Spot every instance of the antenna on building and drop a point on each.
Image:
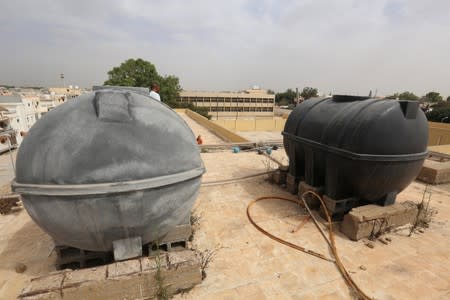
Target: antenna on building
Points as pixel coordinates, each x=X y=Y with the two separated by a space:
x=62 y=78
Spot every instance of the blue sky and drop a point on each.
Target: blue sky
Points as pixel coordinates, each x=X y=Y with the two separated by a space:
x=342 y=46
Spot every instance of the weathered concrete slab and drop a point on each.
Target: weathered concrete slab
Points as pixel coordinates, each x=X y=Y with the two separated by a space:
x=50 y=284
x=435 y=172
x=77 y=277
x=365 y=220
x=132 y=279
x=124 y=268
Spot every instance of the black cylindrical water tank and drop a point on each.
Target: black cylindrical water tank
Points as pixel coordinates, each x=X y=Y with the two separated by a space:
x=351 y=146
x=106 y=166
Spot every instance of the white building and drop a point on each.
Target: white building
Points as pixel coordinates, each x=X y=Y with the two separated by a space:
x=21 y=113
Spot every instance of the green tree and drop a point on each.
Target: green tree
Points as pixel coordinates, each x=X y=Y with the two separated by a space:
x=141 y=73
x=308 y=92
x=403 y=96
x=408 y=96
x=439 y=114
x=170 y=89
x=393 y=96
x=286 y=97
x=432 y=97
x=448 y=99
x=133 y=72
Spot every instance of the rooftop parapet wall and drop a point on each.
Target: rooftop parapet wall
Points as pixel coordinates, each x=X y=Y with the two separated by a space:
x=438 y=133
x=263 y=124
x=218 y=130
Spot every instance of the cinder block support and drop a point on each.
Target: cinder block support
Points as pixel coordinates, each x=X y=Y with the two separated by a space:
x=291 y=184
x=279 y=177
x=312 y=201
x=362 y=221
x=131 y=279
x=435 y=172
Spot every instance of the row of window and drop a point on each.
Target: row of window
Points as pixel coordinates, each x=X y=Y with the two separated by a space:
x=241 y=109
x=235 y=100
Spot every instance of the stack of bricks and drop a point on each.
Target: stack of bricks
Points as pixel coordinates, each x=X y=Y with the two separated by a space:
x=131 y=279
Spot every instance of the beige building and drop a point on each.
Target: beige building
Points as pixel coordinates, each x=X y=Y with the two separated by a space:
x=251 y=103
x=62 y=93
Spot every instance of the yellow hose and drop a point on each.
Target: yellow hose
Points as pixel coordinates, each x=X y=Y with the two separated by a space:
x=331 y=242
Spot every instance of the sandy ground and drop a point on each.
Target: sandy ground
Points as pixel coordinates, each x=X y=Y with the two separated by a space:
x=21 y=241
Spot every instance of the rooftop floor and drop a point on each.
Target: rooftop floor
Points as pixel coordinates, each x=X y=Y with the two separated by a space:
x=258 y=136
x=249 y=265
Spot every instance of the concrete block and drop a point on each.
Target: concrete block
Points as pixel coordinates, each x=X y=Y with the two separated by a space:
x=182 y=258
x=56 y=295
x=43 y=285
x=362 y=221
x=127 y=248
x=338 y=208
x=123 y=268
x=132 y=279
x=178 y=233
x=125 y=287
x=435 y=172
x=149 y=264
x=77 y=277
x=279 y=177
x=291 y=184
x=312 y=201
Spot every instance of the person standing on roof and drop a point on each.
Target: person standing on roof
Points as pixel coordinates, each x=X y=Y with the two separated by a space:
x=154 y=91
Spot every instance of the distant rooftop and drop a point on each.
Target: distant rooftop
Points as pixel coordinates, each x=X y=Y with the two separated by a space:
x=10 y=99
x=251 y=93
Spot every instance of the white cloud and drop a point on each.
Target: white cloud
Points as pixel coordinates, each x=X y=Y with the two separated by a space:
x=342 y=46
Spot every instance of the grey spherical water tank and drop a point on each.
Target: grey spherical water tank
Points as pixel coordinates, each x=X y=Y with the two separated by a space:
x=106 y=166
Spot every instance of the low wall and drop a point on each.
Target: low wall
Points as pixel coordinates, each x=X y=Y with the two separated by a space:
x=438 y=133
x=275 y=124
x=217 y=129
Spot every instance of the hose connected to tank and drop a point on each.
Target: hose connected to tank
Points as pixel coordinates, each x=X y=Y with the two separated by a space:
x=348 y=279
x=331 y=241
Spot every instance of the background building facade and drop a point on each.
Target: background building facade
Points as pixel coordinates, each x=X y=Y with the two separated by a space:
x=251 y=103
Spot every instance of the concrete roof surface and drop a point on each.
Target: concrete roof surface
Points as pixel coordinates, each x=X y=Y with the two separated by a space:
x=10 y=99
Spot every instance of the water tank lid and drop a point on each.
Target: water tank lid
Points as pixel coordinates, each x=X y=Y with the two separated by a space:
x=346 y=98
